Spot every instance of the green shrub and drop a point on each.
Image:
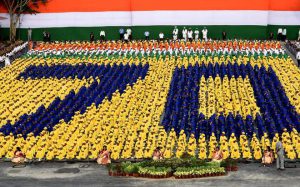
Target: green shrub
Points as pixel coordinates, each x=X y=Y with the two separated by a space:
x=124 y=165
x=154 y=171
x=212 y=164
x=175 y=163
x=182 y=171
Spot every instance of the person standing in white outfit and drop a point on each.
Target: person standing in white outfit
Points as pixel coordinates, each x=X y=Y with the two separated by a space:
x=279 y=34
x=126 y=37
x=284 y=32
x=184 y=33
x=102 y=35
x=161 y=36
x=196 y=32
x=129 y=32
x=190 y=34
x=204 y=33
x=175 y=33
x=29 y=34
x=299 y=35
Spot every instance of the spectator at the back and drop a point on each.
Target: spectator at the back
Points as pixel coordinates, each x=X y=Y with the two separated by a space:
x=92 y=37
x=161 y=36
x=279 y=34
x=224 y=35
x=44 y=36
x=129 y=32
x=147 y=34
x=48 y=37
x=271 y=37
x=102 y=35
x=29 y=34
x=284 y=33
x=121 y=32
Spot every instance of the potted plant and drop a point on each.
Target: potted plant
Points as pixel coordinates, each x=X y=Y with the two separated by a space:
x=227 y=164
x=143 y=171
x=110 y=169
x=127 y=170
x=222 y=171
x=135 y=171
x=118 y=170
x=234 y=166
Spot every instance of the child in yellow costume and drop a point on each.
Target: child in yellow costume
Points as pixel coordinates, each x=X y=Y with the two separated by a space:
x=257 y=152
x=181 y=144
x=192 y=145
x=235 y=153
x=224 y=149
x=30 y=152
x=61 y=152
x=20 y=142
x=265 y=142
x=243 y=138
x=232 y=139
x=2 y=151
x=213 y=139
x=1 y=137
x=285 y=134
x=148 y=152
x=10 y=149
x=223 y=138
x=212 y=145
x=94 y=152
x=246 y=151
x=274 y=141
x=254 y=141
x=179 y=152
x=202 y=139
x=290 y=152
x=50 y=154
x=202 y=153
x=140 y=151
x=168 y=153
x=294 y=136
x=298 y=148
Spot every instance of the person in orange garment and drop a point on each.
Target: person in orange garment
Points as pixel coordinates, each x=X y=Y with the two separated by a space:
x=19 y=157
x=157 y=154
x=268 y=157
x=104 y=157
x=217 y=155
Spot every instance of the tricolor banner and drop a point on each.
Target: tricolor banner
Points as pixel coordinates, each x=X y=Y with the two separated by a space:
x=104 y=13
x=89 y=13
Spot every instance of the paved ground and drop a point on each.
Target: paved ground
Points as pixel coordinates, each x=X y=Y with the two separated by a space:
x=53 y=174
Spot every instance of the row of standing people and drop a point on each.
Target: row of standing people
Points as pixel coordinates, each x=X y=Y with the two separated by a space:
x=186 y=34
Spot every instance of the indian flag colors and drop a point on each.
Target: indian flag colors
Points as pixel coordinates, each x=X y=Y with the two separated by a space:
x=85 y=14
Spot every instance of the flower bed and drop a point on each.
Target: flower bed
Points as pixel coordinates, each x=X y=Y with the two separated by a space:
x=155 y=172
x=179 y=168
x=197 y=172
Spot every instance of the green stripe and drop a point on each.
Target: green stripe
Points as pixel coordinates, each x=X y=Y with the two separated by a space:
x=82 y=33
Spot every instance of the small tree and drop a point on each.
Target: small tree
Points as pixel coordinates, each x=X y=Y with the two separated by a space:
x=16 y=8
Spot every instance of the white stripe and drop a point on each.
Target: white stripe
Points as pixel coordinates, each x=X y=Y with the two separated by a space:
x=144 y=18
x=284 y=18
x=207 y=17
x=73 y=19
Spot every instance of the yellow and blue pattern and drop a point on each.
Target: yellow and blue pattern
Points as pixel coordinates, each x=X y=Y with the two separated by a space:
x=69 y=108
